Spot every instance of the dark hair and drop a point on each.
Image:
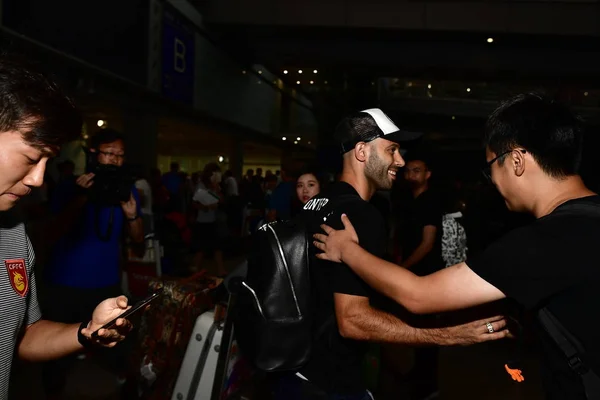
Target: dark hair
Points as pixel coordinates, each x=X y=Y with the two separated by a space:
x=547 y=129
x=313 y=171
x=106 y=136
x=416 y=155
x=208 y=171
x=31 y=101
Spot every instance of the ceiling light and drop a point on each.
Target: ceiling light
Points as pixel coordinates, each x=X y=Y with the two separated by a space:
x=295 y=142
x=284 y=138
x=311 y=82
x=297 y=82
x=298 y=138
x=309 y=142
x=326 y=82
x=315 y=71
x=429 y=86
x=490 y=40
x=260 y=72
x=453 y=117
x=221 y=158
x=285 y=71
x=244 y=71
x=101 y=123
x=468 y=89
x=85 y=136
x=299 y=71
x=585 y=93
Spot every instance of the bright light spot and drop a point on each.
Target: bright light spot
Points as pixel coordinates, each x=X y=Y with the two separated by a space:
x=299 y=71
x=284 y=138
x=297 y=82
x=101 y=123
x=429 y=86
x=453 y=117
x=260 y=72
x=490 y=40
x=221 y=158
x=326 y=82
x=285 y=71
x=85 y=136
x=585 y=93
x=244 y=71
x=295 y=142
x=315 y=71
x=309 y=142
x=298 y=138
x=312 y=82
x=468 y=89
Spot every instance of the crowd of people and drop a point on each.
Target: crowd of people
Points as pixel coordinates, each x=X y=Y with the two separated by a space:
x=384 y=258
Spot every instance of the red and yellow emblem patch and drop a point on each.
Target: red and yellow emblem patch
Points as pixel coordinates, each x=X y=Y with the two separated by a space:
x=17 y=274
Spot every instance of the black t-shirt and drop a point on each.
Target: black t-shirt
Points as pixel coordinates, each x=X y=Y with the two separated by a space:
x=553 y=262
x=420 y=212
x=336 y=362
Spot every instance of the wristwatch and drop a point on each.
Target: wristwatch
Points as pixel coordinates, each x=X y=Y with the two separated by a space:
x=134 y=218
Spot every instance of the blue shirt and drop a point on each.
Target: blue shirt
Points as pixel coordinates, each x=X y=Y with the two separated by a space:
x=172 y=181
x=81 y=258
x=281 y=200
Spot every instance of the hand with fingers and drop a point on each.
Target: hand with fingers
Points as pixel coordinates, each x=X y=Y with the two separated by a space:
x=129 y=207
x=333 y=241
x=105 y=312
x=479 y=331
x=85 y=181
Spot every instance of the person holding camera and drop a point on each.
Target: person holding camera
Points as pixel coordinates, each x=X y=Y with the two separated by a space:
x=92 y=213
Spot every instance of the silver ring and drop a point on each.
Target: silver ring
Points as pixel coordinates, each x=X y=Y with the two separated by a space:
x=489 y=327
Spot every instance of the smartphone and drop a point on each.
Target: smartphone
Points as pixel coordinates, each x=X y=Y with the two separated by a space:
x=139 y=306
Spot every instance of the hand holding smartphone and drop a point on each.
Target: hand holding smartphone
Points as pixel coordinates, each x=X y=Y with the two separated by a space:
x=139 y=306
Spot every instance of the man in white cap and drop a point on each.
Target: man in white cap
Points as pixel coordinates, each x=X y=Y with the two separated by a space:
x=345 y=317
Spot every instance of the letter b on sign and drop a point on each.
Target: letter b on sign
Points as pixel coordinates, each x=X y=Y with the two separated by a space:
x=179 y=56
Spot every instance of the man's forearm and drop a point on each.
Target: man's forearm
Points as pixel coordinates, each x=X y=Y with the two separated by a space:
x=136 y=230
x=47 y=340
x=374 y=325
x=419 y=254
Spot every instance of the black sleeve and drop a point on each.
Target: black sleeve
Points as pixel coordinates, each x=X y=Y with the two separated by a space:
x=514 y=265
x=370 y=228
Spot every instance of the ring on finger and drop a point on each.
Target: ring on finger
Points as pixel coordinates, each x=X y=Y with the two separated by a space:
x=489 y=327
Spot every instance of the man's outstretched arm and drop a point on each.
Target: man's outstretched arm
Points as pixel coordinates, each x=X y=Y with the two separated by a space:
x=452 y=288
x=359 y=321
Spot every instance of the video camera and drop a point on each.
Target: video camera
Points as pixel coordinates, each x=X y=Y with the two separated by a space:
x=112 y=184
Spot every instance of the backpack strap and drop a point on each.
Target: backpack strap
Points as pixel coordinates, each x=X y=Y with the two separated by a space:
x=560 y=336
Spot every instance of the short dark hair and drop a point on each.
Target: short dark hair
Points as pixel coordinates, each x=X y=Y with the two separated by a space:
x=546 y=128
x=31 y=101
x=314 y=171
x=106 y=136
x=419 y=155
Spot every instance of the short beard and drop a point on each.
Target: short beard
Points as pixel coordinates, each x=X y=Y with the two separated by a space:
x=376 y=171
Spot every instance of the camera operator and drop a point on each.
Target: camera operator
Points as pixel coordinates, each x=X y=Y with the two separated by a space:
x=91 y=213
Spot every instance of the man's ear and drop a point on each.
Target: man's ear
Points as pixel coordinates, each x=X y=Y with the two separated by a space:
x=518 y=159
x=92 y=150
x=360 y=151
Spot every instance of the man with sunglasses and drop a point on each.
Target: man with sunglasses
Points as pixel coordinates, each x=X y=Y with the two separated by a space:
x=533 y=148
x=85 y=261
